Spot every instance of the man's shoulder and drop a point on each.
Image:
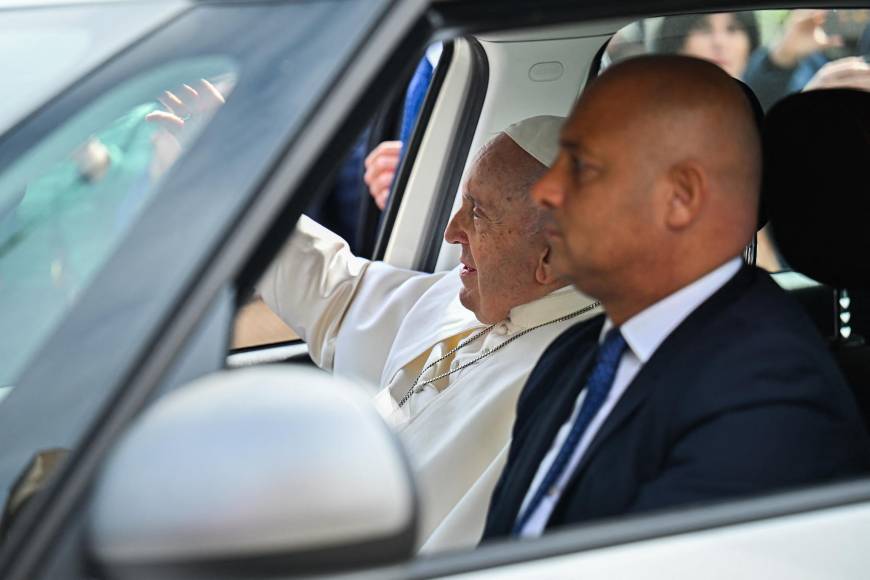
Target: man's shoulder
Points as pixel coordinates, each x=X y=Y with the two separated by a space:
x=759 y=345
x=766 y=317
x=564 y=347
x=747 y=312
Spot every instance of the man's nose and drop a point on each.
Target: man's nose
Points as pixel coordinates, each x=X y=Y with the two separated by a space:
x=455 y=232
x=548 y=191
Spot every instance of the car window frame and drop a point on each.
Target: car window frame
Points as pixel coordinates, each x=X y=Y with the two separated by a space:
x=410 y=152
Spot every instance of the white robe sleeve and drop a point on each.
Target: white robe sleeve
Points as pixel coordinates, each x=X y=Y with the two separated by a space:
x=347 y=309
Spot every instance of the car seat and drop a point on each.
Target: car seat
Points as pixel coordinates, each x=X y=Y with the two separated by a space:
x=816 y=151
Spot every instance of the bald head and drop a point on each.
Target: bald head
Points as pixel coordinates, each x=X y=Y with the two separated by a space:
x=657 y=182
x=677 y=108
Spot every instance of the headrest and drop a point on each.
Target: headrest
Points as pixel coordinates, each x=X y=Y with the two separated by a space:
x=816 y=154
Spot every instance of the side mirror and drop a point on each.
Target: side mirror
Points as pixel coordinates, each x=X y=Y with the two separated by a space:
x=254 y=472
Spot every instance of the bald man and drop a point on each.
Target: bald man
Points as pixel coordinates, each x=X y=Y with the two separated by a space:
x=703 y=380
x=447 y=352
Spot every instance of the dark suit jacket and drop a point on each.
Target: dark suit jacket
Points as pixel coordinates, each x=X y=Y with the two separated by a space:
x=742 y=397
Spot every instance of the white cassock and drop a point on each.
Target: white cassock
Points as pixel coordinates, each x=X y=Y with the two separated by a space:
x=373 y=322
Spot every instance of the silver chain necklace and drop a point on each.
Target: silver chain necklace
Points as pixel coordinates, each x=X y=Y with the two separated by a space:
x=418 y=388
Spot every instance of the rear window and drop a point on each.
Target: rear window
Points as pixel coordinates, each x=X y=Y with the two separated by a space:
x=776 y=52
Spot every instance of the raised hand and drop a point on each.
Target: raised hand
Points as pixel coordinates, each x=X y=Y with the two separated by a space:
x=851 y=72
x=186 y=110
x=804 y=34
x=381 y=165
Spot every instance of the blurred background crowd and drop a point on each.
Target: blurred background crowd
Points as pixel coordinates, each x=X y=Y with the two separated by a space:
x=776 y=52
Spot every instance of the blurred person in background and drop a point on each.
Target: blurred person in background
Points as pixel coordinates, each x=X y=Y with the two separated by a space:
x=383 y=161
x=726 y=39
x=817 y=49
x=369 y=173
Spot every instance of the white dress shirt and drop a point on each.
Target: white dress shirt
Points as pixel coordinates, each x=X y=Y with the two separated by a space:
x=643 y=334
x=379 y=324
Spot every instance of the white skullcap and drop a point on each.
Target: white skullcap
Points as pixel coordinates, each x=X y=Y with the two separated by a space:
x=538 y=136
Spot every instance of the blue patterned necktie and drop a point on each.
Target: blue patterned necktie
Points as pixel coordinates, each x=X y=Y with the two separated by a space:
x=597 y=388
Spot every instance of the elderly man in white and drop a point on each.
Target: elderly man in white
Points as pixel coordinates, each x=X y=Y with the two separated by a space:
x=449 y=351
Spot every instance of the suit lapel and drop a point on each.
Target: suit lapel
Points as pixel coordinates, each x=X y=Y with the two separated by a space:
x=555 y=394
x=557 y=410
x=650 y=374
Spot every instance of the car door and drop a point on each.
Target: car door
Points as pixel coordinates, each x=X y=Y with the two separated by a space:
x=813 y=532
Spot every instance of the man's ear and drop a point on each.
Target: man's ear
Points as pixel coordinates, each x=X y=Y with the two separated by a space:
x=544 y=274
x=686 y=195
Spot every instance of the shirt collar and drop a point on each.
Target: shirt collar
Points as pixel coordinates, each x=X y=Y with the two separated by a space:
x=645 y=331
x=555 y=304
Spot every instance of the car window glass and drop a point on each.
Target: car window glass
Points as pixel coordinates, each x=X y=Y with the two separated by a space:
x=776 y=52
x=65 y=204
x=365 y=177
x=107 y=216
x=41 y=51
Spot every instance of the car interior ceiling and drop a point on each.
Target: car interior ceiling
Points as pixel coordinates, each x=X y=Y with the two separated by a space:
x=817 y=216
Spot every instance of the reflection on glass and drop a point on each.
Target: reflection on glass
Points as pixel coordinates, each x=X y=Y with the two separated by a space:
x=66 y=203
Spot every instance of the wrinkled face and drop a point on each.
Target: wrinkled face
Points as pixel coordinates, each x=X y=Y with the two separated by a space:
x=598 y=194
x=496 y=227
x=720 y=39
